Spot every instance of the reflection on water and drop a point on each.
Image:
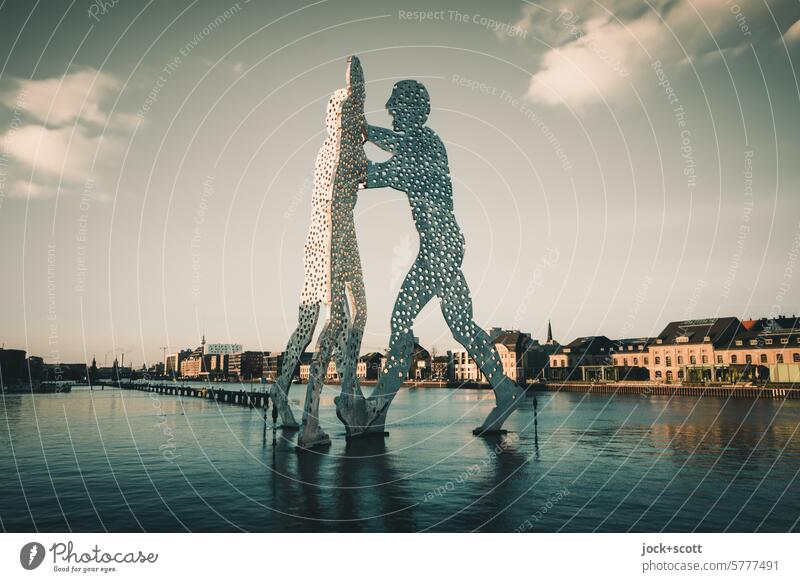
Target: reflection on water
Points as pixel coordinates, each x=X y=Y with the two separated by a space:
x=128 y=461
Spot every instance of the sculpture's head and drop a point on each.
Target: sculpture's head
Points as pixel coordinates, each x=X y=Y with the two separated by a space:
x=409 y=105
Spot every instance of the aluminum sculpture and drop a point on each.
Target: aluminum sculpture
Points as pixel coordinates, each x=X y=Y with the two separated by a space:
x=333 y=276
x=333 y=280
x=419 y=168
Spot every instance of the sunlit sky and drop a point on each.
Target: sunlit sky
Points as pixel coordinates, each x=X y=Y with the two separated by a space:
x=616 y=164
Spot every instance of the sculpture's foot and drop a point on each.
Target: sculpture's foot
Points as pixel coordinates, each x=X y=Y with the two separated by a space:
x=280 y=402
x=509 y=398
x=361 y=416
x=312 y=438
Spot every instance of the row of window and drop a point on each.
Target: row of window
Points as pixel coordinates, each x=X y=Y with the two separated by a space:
x=748 y=359
x=645 y=361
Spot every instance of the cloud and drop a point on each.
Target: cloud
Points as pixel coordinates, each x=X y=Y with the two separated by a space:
x=60 y=101
x=596 y=65
x=793 y=33
x=60 y=139
x=63 y=153
x=598 y=52
x=23 y=189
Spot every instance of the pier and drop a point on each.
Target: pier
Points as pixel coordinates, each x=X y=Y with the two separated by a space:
x=250 y=398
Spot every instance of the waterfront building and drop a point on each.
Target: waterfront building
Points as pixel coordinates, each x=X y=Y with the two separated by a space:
x=691 y=344
x=274 y=362
x=207 y=364
x=583 y=359
x=420 y=364
x=12 y=366
x=420 y=368
x=464 y=368
x=443 y=368
x=172 y=363
x=369 y=366
x=246 y=365
x=523 y=358
x=762 y=350
x=631 y=358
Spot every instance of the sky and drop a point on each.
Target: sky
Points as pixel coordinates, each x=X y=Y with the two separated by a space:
x=616 y=165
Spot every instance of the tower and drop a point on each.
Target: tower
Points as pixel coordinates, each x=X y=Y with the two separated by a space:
x=549 y=341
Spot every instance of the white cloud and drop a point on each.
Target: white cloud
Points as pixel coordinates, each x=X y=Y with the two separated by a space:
x=60 y=145
x=597 y=64
x=60 y=152
x=603 y=52
x=793 y=33
x=60 y=101
x=23 y=189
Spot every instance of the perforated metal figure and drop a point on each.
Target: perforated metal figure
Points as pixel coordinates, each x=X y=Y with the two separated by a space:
x=333 y=276
x=419 y=168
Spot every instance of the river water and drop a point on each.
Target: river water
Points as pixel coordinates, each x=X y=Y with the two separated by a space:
x=130 y=461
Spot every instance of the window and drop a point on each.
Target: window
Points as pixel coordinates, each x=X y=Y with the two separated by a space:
x=668 y=361
x=768 y=342
x=705 y=359
x=734 y=359
x=719 y=359
x=635 y=361
x=624 y=361
x=658 y=361
x=763 y=358
x=748 y=359
x=680 y=374
x=784 y=340
x=738 y=342
x=658 y=375
x=796 y=358
x=753 y=342
x=645 y=361
x=669 y=376
x=707 y=338
x=779 y=358
x=692 y=360
x=680 y=360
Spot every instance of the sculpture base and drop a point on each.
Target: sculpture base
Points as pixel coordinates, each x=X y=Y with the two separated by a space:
x=320 y=441
x=362 y=416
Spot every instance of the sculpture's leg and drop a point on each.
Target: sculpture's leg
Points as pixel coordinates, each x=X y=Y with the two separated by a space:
x=457 y=310
x=362 y=416
x=307 y=321
x=357 y=302
x=311 y=435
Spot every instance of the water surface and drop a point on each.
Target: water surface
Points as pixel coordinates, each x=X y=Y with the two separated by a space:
x=130 y=461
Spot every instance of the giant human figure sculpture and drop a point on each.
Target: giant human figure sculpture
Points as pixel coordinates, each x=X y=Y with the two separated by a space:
x=333 y=278
x=419 y=168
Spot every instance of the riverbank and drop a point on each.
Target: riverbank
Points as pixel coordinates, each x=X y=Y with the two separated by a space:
x=774 y=391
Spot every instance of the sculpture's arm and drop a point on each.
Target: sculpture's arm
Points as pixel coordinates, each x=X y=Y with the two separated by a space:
x=384 y=138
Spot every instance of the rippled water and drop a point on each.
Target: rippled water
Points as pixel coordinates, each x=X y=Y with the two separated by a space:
x=130 y=461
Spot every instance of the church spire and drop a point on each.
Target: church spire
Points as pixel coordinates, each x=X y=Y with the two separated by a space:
x=549 y=333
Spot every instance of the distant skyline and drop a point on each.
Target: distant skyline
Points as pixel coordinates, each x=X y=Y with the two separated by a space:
x=615 y=165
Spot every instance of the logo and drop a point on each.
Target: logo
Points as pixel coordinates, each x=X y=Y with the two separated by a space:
x=31 y=555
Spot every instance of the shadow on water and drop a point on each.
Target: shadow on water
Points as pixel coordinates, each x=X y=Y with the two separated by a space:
x=355 y=489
